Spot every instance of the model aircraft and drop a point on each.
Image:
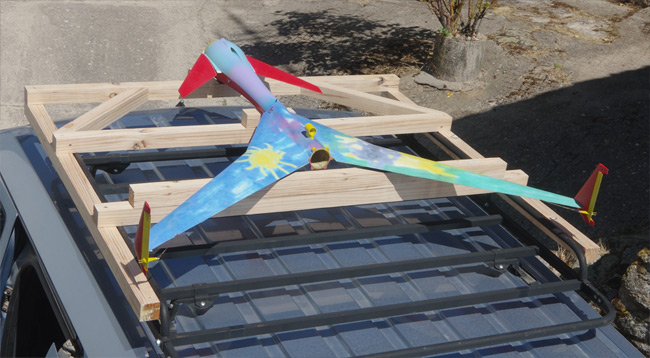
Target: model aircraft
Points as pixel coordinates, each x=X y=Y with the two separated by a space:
x=285 y=142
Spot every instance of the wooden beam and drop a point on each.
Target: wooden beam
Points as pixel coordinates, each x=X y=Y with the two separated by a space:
x=389 y=189
x=395 y=94
x=365 y=101
x=301 y=191
x=250 y=118
x=173 y=193
x=219 y=134
x=590 y=248
x=137 y=290
x=364 y=83
x=40 y=120
x=168 y=90
x=109 y=111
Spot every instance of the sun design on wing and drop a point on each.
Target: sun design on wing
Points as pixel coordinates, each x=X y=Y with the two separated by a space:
x=267 y=160
x=413 y=162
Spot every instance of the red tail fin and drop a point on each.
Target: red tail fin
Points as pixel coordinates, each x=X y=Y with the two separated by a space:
x=266 y=70
x=141 y=242
x=587 y=195
x=201 y=72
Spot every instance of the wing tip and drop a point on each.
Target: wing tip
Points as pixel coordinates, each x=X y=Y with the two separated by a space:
x=588 y=194
x=141 y=241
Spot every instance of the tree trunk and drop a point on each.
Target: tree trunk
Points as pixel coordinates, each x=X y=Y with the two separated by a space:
x=456 y=59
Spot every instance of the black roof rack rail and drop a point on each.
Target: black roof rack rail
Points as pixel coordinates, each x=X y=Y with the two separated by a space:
x=197 y=296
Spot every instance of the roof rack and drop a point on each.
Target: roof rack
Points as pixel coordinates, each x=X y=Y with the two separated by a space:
x=394 y=114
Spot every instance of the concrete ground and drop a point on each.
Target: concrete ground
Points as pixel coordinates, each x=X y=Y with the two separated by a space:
x=567 y=83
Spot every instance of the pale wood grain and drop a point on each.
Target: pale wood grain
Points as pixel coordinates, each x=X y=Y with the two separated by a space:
x=235 y=133
x=304 y=190
x=109 y=111
x=138 y=292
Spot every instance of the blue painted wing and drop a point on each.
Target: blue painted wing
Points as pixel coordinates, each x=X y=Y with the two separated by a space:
x=277 y=149
x=351 y=150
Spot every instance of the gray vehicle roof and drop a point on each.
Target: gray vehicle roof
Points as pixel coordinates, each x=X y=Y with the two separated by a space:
x=258 y=306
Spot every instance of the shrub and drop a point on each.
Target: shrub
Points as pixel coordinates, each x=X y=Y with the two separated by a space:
x=450 y=14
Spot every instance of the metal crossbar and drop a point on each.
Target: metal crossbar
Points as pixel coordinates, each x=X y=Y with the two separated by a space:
x=210 y=291
x=329 y=237
x=362 y=314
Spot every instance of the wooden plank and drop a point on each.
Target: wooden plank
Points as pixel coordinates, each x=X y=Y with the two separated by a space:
x=168 y=90
x=590 y=248
x=109 y=111
x=365 y=101
x=364 y=83
x=173 y=193
x=395 y=94
x=301 y=191
x=219 y=134
x=101 y=92
x=118 y=256
x=457 y=142
x=250 y=118
x=41 y=122
x=122 y=213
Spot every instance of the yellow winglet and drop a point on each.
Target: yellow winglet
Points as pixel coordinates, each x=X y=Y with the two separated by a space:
x=587 y=195
x=141 y=242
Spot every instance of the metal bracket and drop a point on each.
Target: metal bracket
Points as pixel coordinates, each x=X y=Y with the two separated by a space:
x=202 y=300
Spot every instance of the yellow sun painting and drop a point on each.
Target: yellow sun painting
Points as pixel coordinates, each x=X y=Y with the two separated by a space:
x=411 y=161
x=266 y=160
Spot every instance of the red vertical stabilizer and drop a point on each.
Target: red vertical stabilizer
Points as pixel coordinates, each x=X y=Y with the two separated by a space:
x=201 y=72
x=587 y=195
x=266 y=70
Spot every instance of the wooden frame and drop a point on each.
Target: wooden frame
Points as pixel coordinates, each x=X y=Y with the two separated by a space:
x=378 y=94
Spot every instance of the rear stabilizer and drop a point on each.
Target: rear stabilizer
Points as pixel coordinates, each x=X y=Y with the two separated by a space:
x=266 y=70
x=589 y=192
x=141 y=242
x=201 y=72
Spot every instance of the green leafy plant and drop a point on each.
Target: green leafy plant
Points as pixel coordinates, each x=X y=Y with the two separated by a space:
x=456 y=21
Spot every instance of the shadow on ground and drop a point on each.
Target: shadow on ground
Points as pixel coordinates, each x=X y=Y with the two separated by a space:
x=324 y=43
x=558 y=137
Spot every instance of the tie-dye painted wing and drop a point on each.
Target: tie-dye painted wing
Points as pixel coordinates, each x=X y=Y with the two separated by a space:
x=351 y=150
x=277 y=149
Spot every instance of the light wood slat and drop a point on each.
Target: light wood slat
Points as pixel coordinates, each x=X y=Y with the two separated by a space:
x=122 y=213
x=118 y=256
x=304 y=190
x=365 y=101
x=394 y=93
x=590 y=248
x=43 y=125
x=456 y=141
x=109 y=111
x=173 y=193
x=250 y=118
x=168 y=90
x=364 y=83
x=219 y=134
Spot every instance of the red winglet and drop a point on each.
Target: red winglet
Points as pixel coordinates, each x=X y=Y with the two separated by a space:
x=587 y=195
x=141 y=242
x=266 y=70
x=201 y=72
